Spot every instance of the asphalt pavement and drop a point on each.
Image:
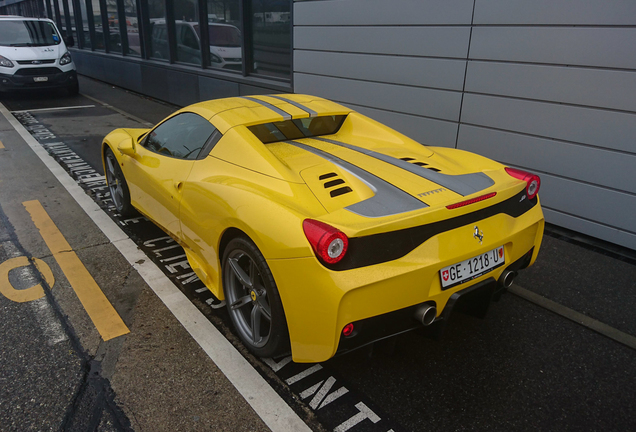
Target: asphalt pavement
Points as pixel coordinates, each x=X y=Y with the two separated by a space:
x=524 y=367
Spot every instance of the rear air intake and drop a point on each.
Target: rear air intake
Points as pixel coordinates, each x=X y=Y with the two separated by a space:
x=419 y=163
x=326 y=176
x=340 y=191
x=335 y=181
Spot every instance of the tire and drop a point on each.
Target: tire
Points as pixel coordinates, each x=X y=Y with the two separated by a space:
x=117 y=185
x=73 y=89
x=252 y=299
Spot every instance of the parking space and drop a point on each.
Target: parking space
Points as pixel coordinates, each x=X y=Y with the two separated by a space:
x=523 y=367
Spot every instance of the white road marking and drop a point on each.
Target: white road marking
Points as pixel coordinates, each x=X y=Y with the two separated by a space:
x=10 y=249
x=48 y=322
x=53 y=109
x=277 y=366
x=124 y=113
x=269 y=406
x=577 y=317
x=365 y=413
x=304 y=374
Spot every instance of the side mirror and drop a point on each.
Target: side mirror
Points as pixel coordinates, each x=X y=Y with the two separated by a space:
x=126 y=147
x=69 y=41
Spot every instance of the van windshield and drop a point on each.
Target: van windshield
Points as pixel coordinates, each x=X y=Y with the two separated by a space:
x=28 y=33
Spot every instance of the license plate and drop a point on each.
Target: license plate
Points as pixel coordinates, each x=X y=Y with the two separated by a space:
x=40 y=79
x=472 y=268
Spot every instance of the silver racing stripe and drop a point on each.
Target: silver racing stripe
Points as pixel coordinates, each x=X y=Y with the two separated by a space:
x=285 y=114
x=388 y=199
x=462 y=184
x=311 y=112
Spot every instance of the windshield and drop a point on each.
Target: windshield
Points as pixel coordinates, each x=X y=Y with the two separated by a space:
x=28 y=33
x=222 y=35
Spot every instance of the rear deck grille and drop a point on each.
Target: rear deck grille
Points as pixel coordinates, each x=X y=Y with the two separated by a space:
x=340 y=191
x=418 y=163
x=333 y=183
x=326 y=176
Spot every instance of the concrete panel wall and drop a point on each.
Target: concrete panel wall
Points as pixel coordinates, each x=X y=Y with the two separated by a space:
x=546 y=85
x=401 y=62
x=551 y=87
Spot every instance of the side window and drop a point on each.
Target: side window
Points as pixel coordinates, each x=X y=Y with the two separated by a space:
x=183 y=136
x=189 y=39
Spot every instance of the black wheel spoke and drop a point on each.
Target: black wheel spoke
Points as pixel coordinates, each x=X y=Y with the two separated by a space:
x=255 y=317
x=264 y=307
x=253 y=274
x=241 y=302
x=243 y=277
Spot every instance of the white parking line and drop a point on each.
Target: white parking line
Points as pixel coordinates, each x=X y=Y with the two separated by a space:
x=124 y=113
x=269 y=406
x=577 y=317
x=54 y=109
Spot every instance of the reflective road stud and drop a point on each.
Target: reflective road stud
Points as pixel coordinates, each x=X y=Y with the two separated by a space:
x=24 y=295
x=108 y=322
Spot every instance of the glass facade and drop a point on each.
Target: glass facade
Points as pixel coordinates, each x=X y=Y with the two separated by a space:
x=271 y=37
x=158 y=43
x=225 y=34
x=247 y=37
x=98 y=43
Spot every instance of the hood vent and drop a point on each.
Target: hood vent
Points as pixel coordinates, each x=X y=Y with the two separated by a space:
x=335 y=181
x=418 y=163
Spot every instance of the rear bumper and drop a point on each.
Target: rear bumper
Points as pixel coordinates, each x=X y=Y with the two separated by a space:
x=474 y=300
x=319 y=302
x=27 y=82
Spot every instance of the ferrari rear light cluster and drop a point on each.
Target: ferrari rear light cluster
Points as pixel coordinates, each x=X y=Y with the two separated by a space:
x=533 y=182
x=471 y=201
x=329 y=244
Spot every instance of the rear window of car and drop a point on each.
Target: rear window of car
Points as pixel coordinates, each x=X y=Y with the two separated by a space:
x=297 y=128
x=26 y=33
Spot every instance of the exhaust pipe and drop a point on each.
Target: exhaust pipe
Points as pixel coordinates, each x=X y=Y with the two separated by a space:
x=507 y=278
x=426 y=314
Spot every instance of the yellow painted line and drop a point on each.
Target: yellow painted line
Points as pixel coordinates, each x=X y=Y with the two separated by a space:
x=28 y=294
x=1 y=145
x=108 y=322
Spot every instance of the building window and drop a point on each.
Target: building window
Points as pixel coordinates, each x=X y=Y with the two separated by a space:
x=85 y=33
x=132 y=28
x=186 y=14
x=158 y=31
x=98 y=43
x=224 y=28
x=252 y=37
x=271 y=38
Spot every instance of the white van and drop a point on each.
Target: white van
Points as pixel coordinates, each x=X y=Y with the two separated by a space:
x=33 y=55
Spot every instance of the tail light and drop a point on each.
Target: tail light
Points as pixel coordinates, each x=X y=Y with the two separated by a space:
x=329 y=244
x=533 y=182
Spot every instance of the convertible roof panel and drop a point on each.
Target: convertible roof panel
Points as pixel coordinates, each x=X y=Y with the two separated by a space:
x=250 y=110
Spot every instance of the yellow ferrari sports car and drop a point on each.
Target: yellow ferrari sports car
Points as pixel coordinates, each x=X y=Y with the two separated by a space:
x=324 y=230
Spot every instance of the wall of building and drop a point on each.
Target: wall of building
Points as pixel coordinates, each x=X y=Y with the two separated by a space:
x=174 y=83
x=544 y=85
